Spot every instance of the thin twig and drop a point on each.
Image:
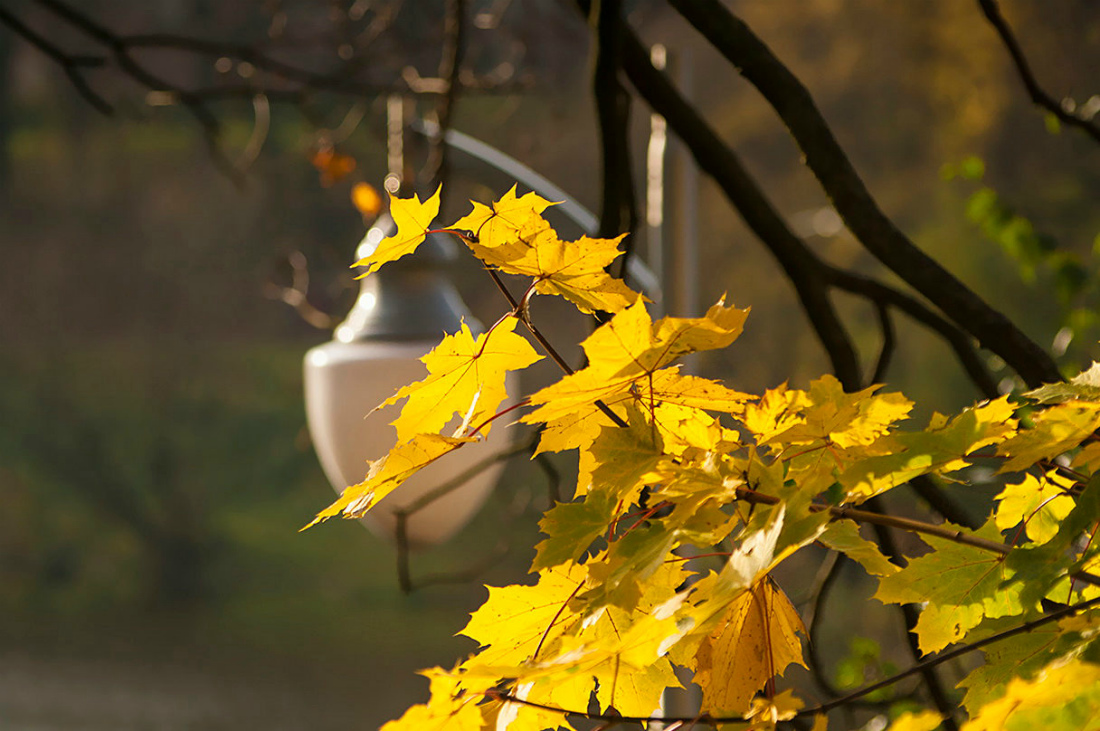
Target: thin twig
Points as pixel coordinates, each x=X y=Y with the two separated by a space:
x=992 y=12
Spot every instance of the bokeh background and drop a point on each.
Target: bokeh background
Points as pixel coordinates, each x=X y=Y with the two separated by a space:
x=154 y=462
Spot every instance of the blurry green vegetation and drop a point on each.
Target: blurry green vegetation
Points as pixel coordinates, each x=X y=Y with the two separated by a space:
x=142 y=479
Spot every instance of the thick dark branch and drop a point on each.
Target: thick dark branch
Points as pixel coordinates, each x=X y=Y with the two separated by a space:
x=960 y=342
x=992 y=13
x=617 y=212
x=877 y=233
x=718 y=161
x=889 y=343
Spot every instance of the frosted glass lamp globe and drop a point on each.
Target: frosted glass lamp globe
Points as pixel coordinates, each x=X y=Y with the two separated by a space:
x=402 y=312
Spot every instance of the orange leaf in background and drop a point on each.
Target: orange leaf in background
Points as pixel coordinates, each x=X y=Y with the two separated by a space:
x=366 y=199
x=413 y=217
x=334 y=166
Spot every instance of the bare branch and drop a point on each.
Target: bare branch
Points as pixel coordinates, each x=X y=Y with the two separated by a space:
x=718 y=161
x=1042 y=99
x=878 y=234
x=450 y=67
x=73 y=66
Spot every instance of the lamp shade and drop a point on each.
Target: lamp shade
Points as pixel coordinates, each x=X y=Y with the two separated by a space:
x=401 y=313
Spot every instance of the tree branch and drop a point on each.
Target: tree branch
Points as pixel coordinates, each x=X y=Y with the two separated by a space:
x=992 y=12
x=617 y=212
x=825 y=158
x=450 y=66
x=718 y=161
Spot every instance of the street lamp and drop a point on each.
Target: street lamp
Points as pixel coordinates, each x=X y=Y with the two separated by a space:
x=401 y=313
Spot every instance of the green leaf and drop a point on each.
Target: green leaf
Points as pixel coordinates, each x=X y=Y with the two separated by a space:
x=843 y=536
x=961 y=585
x=1083 y=387
x=571 y=528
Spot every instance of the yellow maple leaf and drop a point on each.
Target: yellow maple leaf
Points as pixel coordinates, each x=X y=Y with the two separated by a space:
x=756 y=641
x=518 y=623
x=387 y=474
x=499 y=224
x=1056 y=430
x=465 y=377
x=626 y=353
x=413 y=218
x=1063 y=695
x=453 y=706
x=574 y=270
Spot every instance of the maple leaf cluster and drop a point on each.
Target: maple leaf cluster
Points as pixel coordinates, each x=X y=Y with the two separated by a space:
x=675 y=465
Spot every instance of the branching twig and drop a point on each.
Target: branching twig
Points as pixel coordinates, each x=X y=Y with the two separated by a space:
x=1067 y=116
x=450 y=66
x=877 y=233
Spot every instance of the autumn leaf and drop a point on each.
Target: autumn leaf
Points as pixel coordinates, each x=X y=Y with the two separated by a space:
x=961 y=584
x=517 y=623
x=413 y=218
x=1063 y=696
x=499 y=224
x=1040 y=504
x=387 y=474
x=1084 y=386
x=333 y=166
x=466 y=376
x=454 y=706
x=941 y=447
x=575 y=270
x=1056 y=430
x=843 y=536
x=626 y=352
x=756 y=641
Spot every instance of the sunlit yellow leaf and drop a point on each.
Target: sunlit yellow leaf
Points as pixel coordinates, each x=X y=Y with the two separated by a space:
x=500 y=223
x=755 y=642
x=466 y=376
x=413 y=218
x=1039 y=503
x=1056 y=430
x=625 y=354
x=387 y=474
x=1064 y=696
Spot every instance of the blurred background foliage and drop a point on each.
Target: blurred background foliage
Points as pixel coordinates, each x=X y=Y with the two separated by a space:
x=154 y=466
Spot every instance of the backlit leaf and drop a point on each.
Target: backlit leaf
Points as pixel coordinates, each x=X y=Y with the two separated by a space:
x=387 y=474
x=961 y=585
x=756 y=641
x=466 y=376
x=413 y=218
